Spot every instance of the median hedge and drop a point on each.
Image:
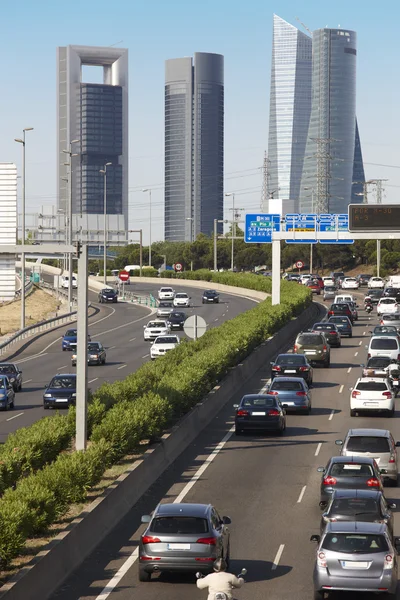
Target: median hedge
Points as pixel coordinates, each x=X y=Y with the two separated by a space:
x=122 y=414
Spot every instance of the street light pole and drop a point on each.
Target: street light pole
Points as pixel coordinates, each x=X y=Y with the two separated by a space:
x=70 y=234
x=215 y=243
x=22 y=141
x=233 y=227
x=149 y=190
x=104 y=171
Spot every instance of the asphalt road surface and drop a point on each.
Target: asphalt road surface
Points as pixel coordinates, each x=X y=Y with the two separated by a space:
x=268 y=485
x=120 y=329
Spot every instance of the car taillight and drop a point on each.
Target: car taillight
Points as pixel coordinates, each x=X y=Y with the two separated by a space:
x=301 y=394
x=387 y=394
x=149 y=539
x=330 y=312
x=398 y=357
x=392 y=459
x=373 y=482
x=355 y=394
x=274 y=413
x=388 y=561
x=295 y=348
x=321 y=559
x=324 y=349
x=369 y=355
x=272 y=393
x=329 y=480
x=242 y=413
x=303 y=369
x=210 y=541
x=276 y=368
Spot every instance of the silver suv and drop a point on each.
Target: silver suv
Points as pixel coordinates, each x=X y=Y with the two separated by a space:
x=373 y=443
x=355 y=556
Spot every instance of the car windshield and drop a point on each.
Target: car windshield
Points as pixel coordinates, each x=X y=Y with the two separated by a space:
x=63 y=382
x=177 y=315
x=371 y=386
x=309 y=338
x=210 y=293
x=165 y=305
x=176 y=525
x=183 y=295
x=355 y=543
x=4 y=369
x=384 y=344
x=166 y=290
x=378 y=361
x=287 y=386
x=94 y=347
x=156 y=324
x=353 y=506
x=368 y=443
x=166 y=340
x=351 y=470
x=290 y=359
x=258 y=401
x=71 y=333
x=2 y=384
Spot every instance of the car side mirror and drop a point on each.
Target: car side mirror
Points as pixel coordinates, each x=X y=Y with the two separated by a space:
x=19 y=371
x=226 y=520
x=315 y=538
x=243 y=572
x=321 y=469
x=46 y=386
x=199 y=575
x=146 y=518
x=271 y=362
x=339 y=442
x=392 y=506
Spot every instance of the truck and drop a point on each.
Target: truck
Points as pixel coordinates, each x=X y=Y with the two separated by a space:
x=394 y=281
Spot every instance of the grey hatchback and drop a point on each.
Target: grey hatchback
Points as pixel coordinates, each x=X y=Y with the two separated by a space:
x=182 y=538
x=357 y=557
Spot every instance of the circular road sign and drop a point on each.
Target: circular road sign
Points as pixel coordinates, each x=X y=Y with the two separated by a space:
x=178 y=267
x=123 y=275
x=299 y=264
x=195 y=327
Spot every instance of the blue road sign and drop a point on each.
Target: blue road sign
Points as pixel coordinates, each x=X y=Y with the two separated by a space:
x=297 y=223
x=328 y=222
x=259 y=228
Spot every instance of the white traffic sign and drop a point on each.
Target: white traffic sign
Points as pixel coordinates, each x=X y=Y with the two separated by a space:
x=178 y=267
x=299 y=264
x=195 y=327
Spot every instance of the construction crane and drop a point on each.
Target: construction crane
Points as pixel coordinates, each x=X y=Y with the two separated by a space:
x=305 y=26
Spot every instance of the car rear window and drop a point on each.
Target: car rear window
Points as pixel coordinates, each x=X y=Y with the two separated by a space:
x=287 y=386
x=378 y=361
x=322 y=327
x=291 y=359
x=259 y=401
x=340 y=320
x=368 y=443
x=371 y=386
x=63 y=382
x=384 y=344
x=387 y=301
x=71 y=333
x=391 y=317
x=386 y=329
x=330 y=288
x=354 y=506
x=355 y=543
x=351 y=469
x=4 y=369
x=176 y=525
x=341 y=306
x=309 y=338
x=166 y=340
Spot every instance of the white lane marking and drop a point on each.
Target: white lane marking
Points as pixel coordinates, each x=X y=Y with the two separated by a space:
x=146 y=355
x=95 y=379
x=132 y=340
x=318 y=449
x=112 y=584
x=63 y=367
x=22 y=360
x=27 y=381
x=360 y=342
x=341 y=389
x=121 y=367
x=123 y=326
x=15 y=416
x=111 y=347
x=349 y=369
x=331 y=415
x=356 y=354
x=303 y=489
x=215 y=320
x=277 y=558
x=364 y=333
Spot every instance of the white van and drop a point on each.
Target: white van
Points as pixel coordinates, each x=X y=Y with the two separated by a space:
x=343 y=298
x=65 y=282
x=384 y=346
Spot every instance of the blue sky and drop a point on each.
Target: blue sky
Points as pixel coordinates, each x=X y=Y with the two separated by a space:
x=158 y=30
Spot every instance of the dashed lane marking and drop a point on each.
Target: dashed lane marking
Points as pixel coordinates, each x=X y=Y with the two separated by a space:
x=341 y=389
x=349 y=369
x=121 y=367
x=318 y=449
x=277 y=557
x=95 y=379
x=15 y=416
x=331 y=415
x=303 y=489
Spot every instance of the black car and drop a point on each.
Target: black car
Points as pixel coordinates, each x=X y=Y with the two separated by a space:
x=331 y=333
x=375 y=295
x=61 y=391
x=358 y=505
x=210 y=296
x=343 y=323
x=259 y=412
x=341 y=309
x=292 y=365
x=349 y=472
x=391 y=292
x=108 y=295
x=14 y=375
x=176 y=320
x=363 y=279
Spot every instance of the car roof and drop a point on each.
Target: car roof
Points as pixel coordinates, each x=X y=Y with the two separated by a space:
x=365 y=460
x=279 y=379
x=356 y=493
x=184 y=509
x=374 y=379
x=64 y=375
x=355 y=527
x=7 y=364
x=370 y=432
x=259 y=395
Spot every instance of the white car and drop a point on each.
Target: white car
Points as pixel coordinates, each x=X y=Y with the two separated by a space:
x=181 y=299
x=328 y=281
x=387 y=306
x=372 y=394
x=162 y=345
x=343 y=298
x=350 y=283
x=155 y=328
x=166 y=293
x=304 y=278
x=384 y=346
x=65 y=282
x=376 y=282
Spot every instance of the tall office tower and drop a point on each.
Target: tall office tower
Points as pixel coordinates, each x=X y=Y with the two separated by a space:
x=333 y=152
x=96 y=114
x=194 y=145
x=290 y=107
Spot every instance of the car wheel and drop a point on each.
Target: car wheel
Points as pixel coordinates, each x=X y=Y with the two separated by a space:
x=393 y=482
x=238 y=432
x=319 y=595
x=20 y=387
x=327 y=363
x=228 y=555
x=390 y=413
x=353 y=413
x=46 y=406
x=64 y=349
x=12 y=404
x=281 y=431
x=144 y=576
x=308 y=411
x=350 y=335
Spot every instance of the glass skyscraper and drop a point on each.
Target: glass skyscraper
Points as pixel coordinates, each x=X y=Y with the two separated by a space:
x=194 y=145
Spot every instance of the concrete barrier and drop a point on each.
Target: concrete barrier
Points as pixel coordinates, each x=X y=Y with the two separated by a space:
x=67 y=551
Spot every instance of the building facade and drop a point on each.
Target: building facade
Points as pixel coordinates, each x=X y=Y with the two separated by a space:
x=290 y=107
x=333 y=153
x=97 y=116
x=8 y=228
x=194 y=145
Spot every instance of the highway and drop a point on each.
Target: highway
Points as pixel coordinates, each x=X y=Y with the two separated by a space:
x=268 y=485
x=120 y=329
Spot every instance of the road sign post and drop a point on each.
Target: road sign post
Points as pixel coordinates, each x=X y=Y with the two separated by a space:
x=81 y=351
x=195 y=327
x=178 y=267
x=123 y=275
x=276 y=272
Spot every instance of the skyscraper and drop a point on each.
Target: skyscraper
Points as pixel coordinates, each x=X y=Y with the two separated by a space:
x=96 y=114
x=290 y=107
x=333 y=152
x=194 y=145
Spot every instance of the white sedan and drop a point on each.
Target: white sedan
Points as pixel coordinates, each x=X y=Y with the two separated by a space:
x=376 y=282
x=350 y=283
x=387 y=306
x=181 y=299
x=372 y=394
x=162 y=345
x=166 y=293
x=155 y=328
x=328 y=281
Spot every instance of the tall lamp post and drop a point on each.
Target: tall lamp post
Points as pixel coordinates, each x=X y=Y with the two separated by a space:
x=69 y=213
x=22 y=141
x=312 y=211
x=149 y=190
x=104 y=172
x=233 y=227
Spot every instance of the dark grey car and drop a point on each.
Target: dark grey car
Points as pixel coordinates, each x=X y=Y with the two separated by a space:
x=14 y=375
x=182 y=538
